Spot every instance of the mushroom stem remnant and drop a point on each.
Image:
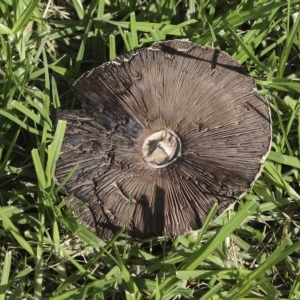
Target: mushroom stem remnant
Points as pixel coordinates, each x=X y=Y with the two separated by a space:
x=161 y=148
x=176 y=127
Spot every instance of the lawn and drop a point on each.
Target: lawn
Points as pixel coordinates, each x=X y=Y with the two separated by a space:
x=252 y=251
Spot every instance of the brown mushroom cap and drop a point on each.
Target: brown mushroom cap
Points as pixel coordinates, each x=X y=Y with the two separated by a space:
x=164 y=133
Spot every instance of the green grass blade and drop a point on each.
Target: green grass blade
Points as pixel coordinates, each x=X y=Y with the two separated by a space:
x=55 y=149
x=213 y=291
x=112 y=47
x=11 y=116
x=295 y=289
x=199 y=255
x=4 y=161
x=284 y=159
x=279 y=181
x=5 y=30
x=47 y=89
x=8 y=225
x=83 y=270
x=61 y=185
x=167 y=8
x=24 y=110
x=248 y=51
x=55 y=94
x=19 y=277
x=263 y=10
x=25 y=16
x=278 y=255
x=82 y=48
x=5 y=271
x=133 y=30
x=291 y=39
x=39 y=169
x=39 y=264
x=133 y=291
x=286 y=85
x=196 y=259
x=61 y=266
x=79 y=9
x=205 y=225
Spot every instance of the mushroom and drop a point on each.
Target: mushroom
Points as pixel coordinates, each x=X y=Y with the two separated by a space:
x=163 y=133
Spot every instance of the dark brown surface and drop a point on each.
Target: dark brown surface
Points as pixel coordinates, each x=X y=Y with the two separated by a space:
x=201 y=94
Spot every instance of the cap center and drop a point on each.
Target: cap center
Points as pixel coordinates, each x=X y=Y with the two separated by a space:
x=161 y=148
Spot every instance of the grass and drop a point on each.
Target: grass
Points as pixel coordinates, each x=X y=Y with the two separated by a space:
x=250 y=252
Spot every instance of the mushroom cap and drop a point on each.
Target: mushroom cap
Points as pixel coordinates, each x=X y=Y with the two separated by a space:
x=163 y=133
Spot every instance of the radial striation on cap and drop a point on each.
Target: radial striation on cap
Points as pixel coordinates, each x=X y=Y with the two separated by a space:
x=163 y=134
